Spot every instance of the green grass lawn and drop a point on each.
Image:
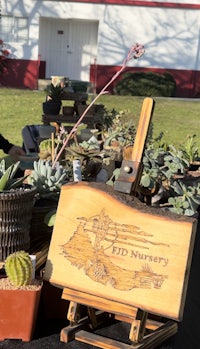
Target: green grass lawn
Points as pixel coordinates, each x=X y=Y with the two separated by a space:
x=175 y=117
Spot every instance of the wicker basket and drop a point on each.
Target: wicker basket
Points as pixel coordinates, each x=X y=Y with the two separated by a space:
x=39 y=229
x=15 y=217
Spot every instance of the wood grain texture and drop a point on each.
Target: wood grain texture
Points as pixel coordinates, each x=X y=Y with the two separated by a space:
x=131 y=169
x=142 y=130
x=117 y=252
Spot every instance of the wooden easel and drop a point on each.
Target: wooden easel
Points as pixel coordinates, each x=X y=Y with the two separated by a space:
x=118 y=260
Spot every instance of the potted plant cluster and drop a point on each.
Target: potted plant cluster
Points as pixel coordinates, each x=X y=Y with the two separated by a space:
x=16 y=203
x=167 y=178
x=54 y=91
x=20 y=296
x=163 y=166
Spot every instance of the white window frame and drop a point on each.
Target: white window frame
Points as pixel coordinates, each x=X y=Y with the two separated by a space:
x=14 y=29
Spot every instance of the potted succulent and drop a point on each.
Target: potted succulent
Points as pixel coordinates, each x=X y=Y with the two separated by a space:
x=54 y=92
x=166 y=181
x=20 y=296
x=47 y=148
x=48 y=181
x=191 y=153
x=16 y=204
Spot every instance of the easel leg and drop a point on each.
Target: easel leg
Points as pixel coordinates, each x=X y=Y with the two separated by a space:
x=76 y=311
x=138 y=326
x=74 y=315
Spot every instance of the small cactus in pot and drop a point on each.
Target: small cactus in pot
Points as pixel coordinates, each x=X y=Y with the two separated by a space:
x=20 y=297
x=19 y=268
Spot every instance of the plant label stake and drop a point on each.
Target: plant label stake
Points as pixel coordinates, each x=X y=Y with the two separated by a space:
x=131 y=170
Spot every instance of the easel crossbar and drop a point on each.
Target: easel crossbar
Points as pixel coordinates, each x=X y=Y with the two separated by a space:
x=149 y=341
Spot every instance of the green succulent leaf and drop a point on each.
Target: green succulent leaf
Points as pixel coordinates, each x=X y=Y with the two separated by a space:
x=46 y=179
x=7 y=180
x=145 y=181
x=50 y=217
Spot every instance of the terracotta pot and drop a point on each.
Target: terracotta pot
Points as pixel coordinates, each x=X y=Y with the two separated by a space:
x=18 y=309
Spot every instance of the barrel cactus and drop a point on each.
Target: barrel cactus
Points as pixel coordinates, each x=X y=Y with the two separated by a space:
x=19 y=268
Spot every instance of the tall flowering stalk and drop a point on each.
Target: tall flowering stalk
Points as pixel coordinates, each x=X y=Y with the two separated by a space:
x=4 y=54
x=136 y=51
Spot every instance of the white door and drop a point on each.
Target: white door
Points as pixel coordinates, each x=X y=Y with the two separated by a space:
x=68 y=47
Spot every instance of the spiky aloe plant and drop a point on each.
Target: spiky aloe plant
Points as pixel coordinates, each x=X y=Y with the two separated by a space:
x=18 y=267
x=7 y=180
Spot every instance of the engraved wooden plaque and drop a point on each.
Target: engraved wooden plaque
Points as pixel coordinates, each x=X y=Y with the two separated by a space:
x=109 y=247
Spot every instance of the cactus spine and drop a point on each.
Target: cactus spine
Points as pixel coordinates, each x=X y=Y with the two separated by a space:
x=18 y=267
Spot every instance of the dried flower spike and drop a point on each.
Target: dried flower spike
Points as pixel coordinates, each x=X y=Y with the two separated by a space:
x=135 y=51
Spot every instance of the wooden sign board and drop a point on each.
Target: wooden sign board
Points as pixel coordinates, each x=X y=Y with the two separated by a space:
x=110 y=248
